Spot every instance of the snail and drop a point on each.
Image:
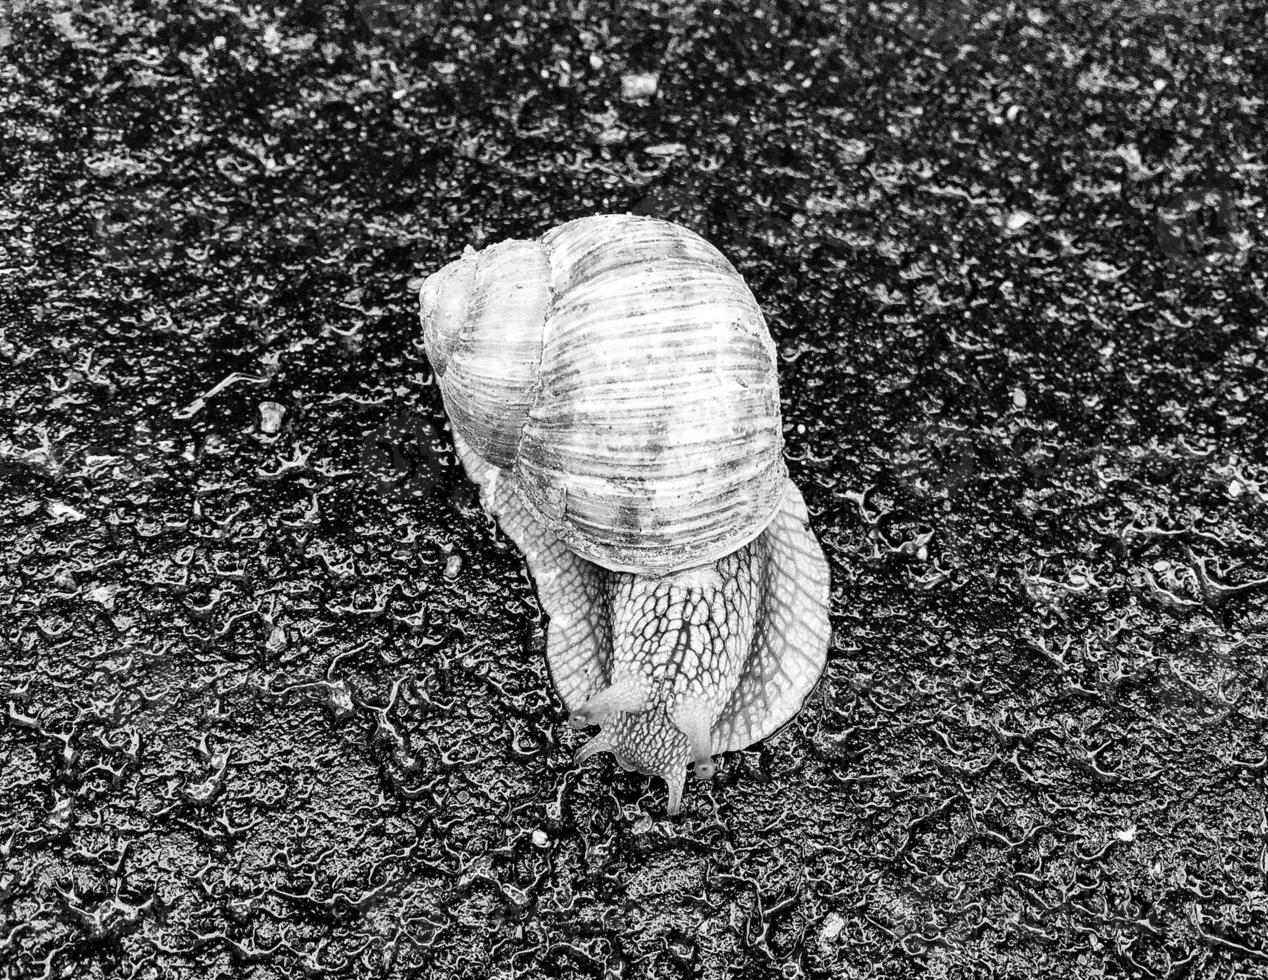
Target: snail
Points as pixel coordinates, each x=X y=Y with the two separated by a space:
x=612 y=389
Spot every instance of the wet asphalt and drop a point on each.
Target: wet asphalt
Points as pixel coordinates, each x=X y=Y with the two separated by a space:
x=272 y=694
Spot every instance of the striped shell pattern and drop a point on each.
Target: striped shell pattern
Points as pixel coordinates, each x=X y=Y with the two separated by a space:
x=620 y=371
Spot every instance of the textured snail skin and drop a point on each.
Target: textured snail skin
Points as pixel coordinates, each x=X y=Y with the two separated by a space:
x=678 y=668
x=684 y=621
x=677 y=656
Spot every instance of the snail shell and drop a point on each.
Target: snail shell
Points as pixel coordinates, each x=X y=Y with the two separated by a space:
x=622 y=371
x=613 y=390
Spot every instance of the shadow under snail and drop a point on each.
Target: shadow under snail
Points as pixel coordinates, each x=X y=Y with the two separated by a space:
x=612 y=388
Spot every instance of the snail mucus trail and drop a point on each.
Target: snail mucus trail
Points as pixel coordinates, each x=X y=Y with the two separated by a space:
x=612 y=388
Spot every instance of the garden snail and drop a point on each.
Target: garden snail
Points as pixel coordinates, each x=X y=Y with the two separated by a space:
x=612 y=388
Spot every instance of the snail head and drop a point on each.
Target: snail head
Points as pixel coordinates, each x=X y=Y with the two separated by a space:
x=679 y=643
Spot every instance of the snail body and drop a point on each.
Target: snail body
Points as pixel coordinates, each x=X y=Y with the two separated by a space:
x=613 y=390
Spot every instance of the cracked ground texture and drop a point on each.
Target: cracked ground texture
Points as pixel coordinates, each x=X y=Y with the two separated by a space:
x=273 y=700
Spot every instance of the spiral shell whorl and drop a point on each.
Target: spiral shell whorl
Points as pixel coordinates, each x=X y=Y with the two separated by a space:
x=443 y=307
x=483 y=317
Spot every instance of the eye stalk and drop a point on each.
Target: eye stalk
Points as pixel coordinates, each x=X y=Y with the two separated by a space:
x=625 y=694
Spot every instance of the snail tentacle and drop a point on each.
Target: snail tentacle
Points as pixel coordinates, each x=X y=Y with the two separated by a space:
x=693 y=719
x=592 y=748
x=626 y=694
x=675 y=782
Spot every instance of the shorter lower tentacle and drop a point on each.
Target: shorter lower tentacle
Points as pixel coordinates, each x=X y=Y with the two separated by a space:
x=621 y=695
x=675 y=781
x=593 y=748
x=694 y=719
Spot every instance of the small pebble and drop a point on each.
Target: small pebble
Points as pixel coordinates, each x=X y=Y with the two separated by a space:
x=639 y=85
x=855 y=150
x=215 y=445
x=541 y=838
x=1019 y=398
x=453 y=566
x=271 y=417
x=64 y=512
x=339 y=701
x=276 y=640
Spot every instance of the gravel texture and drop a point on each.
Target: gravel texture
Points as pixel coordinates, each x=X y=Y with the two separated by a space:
x=272 y=695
